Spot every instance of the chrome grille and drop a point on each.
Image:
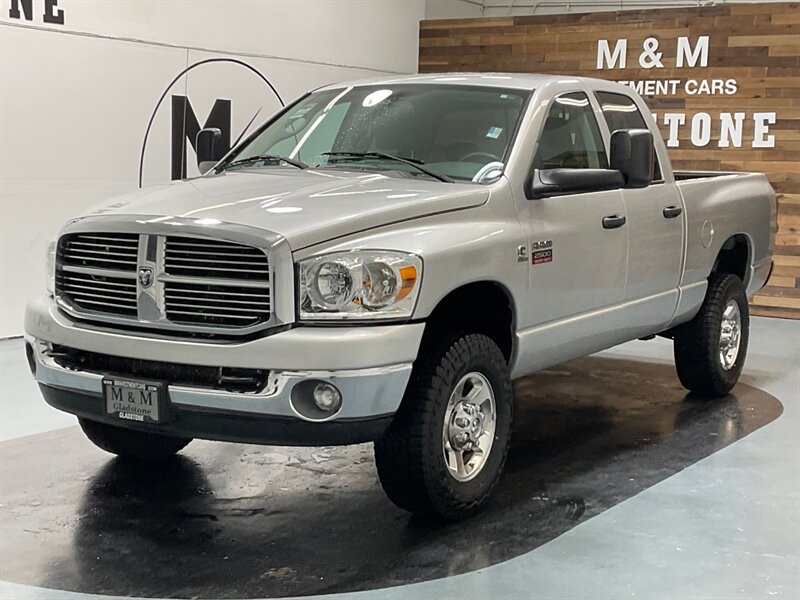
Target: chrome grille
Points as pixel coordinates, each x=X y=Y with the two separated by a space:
x=97 y=272
x=199 y=257
x=102 y=250
x=214 y=282
x=216 y=304
x=190 y=284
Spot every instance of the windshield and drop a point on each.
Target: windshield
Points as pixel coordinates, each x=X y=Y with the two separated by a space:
x=457 y=132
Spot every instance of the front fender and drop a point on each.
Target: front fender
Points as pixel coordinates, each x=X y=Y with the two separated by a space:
x=456 y=248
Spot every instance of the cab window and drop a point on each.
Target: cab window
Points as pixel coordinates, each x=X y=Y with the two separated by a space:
x=460 y=131
x=324 y=126
x=570 y=138
x=621 y=112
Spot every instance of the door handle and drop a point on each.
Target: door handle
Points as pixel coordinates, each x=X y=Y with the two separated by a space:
x=613 y=221
x=670 y=212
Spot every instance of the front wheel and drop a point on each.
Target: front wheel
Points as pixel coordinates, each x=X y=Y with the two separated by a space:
x=711 y=348
x=127 y=443
x=447 y=445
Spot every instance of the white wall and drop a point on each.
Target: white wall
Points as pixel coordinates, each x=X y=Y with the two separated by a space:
x=453 y=9
x=75 y=98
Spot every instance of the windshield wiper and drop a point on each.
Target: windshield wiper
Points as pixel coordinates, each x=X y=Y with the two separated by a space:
x=416 y=163
x=266 y=157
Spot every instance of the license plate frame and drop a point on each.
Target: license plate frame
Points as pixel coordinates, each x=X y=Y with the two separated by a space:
x=135 y=400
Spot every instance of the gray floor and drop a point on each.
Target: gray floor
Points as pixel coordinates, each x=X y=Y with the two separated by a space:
x=727 y=526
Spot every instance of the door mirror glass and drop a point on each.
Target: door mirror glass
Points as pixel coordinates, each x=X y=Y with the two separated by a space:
x=632 y=155
x=544 y=183
x=208 y=147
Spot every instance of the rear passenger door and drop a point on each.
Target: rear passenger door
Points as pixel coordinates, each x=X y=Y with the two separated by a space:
x=655 y=223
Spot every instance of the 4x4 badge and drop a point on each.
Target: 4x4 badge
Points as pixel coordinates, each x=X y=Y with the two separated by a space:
x=145 y=276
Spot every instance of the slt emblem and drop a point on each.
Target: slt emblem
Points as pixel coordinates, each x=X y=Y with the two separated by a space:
x=145 y=276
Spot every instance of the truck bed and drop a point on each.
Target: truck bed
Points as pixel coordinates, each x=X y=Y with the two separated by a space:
x=686 y=175
x=725 y=204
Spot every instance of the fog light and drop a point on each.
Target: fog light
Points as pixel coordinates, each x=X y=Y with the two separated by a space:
x=316 y=400
x=327 y=397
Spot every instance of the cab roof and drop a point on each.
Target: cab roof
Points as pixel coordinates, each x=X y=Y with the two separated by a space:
x=521 y=81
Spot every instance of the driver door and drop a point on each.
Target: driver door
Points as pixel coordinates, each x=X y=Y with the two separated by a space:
x=578 y=264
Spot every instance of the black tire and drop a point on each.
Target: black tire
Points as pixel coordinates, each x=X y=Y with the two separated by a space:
x=697 y=343
x=127 y=443
x=410 y=456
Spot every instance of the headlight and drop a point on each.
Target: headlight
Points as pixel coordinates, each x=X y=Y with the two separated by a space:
x=359 y=285
x=50 y=275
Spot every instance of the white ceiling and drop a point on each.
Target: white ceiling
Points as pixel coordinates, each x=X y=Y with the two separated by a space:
x=444 y=9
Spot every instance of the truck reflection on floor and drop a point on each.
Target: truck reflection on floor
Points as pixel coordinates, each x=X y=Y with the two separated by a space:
x=224 y=520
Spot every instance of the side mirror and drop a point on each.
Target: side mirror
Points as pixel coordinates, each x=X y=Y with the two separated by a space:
x=632 y=155
x=556 y=182
x=208 y=146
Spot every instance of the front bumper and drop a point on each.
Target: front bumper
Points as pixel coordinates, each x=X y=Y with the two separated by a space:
x=227 y=426
x=370 y=365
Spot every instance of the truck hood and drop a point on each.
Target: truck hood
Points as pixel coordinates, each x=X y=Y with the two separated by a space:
x=304 y=206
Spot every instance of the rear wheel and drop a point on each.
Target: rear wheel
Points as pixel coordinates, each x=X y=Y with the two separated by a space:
x=710 y=349
x=141 y=445
x=446 y=448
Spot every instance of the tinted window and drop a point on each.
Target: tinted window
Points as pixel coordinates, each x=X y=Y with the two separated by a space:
x=570 y=138
x=621 y=112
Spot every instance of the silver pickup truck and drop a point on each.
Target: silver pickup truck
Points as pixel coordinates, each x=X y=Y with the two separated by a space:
x=380 y=259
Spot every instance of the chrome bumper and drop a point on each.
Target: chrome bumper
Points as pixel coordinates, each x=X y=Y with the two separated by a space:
x=369 y=365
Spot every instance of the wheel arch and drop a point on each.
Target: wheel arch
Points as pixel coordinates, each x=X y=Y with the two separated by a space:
x=484 y=306
x=734 y=257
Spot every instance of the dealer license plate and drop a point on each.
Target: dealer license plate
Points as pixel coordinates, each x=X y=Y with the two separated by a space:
x=134 y=400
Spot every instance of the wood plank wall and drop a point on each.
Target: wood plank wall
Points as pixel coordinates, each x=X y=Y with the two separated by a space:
x=756 y=44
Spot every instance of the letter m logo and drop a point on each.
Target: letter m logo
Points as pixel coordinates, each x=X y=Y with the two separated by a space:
x=606 y=59
x=186 y=126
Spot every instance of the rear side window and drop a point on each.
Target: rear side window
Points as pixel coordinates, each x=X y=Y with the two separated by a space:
x=621 y=112
x=571 y=138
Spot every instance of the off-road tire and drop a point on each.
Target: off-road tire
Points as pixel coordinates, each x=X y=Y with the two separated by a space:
x=409 y=457
x=127 y=443
x=696 y=343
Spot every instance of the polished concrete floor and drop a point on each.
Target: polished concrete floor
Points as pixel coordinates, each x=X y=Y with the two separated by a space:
x=618 y=485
